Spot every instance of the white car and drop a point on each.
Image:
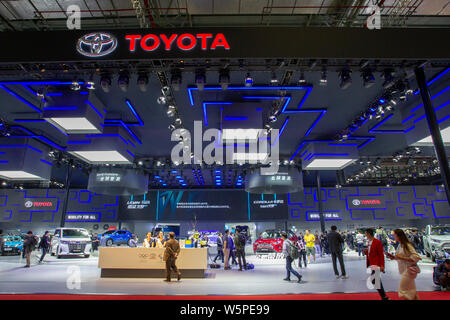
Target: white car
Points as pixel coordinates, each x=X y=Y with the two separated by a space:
x=436 y=239
x=71 y=242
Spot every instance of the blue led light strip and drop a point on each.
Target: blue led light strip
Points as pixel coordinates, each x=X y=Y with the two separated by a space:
x=21 y=99
x=134 y=112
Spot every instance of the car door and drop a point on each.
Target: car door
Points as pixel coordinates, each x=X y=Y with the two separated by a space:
x=122 y=236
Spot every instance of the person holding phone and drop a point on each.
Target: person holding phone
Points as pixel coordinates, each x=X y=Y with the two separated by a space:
x=407 y=258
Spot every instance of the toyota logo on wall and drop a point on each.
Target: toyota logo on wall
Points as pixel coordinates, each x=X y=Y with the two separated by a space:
x=96 y=44
x=356 y=202
x=28 y=204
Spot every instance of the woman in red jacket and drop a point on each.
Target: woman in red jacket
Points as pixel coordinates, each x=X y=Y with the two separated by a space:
x=375 y=260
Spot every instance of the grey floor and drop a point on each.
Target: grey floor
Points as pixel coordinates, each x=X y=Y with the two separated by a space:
x=53 y=277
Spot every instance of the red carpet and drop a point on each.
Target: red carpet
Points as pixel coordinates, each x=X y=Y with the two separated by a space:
x=437 y=295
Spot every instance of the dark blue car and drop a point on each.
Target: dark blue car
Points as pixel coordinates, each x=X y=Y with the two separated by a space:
x=115 y=237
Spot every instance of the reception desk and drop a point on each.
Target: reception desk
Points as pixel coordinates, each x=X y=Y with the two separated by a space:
x=123 y=262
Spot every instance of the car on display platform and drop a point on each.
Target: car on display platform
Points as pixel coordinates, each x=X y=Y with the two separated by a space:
x=436 y=240
x=12 y=245
x=270 y=241
x=71 y=242
x=115 y=237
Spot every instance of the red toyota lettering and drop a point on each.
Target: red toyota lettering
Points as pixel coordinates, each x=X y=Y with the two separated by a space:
x=220 y=41
x=192 y=41
x=168 y=41
x=155 y=44
x=204 y=39
x=132 y=38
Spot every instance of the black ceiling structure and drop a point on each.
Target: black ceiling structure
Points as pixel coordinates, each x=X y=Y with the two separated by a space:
x=285 y=63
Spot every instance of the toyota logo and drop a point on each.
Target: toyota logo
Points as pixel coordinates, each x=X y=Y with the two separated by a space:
x=28 y=204
x=356 y=202
x=96 y=44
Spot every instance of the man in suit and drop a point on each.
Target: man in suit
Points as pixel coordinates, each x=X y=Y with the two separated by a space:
x=227 y=246
x=171 y=255
x=335 y=242
x=375 y=258
x=239 y=242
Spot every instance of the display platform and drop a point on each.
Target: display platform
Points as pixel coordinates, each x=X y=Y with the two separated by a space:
x=123 y=262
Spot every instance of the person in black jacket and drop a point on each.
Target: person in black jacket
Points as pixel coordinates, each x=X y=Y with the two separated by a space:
x=443 y=274
x=44 y=245
x=335 y=242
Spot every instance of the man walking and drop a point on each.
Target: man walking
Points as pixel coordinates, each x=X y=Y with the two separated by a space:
x=360 y=243
x=171 y=255
x=44 y=245
x=301 y=252
x=219 y=248
x=289 y=250
x=310 y=246
x=239 y=242
x=375 y=259
x=28 y=246
x=227 y=244
x=335 y=242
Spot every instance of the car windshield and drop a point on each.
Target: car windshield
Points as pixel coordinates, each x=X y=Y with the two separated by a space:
x=270 y=235
x=109 y=232
x=440 y=231
x=75 y=233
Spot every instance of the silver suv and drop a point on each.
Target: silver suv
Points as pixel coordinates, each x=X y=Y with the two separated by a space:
x=436 y=240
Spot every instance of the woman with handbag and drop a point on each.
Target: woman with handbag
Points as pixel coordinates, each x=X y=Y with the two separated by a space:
x=407 y=259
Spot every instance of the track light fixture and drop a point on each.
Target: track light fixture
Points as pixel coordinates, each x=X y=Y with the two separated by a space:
x=224 y=78
x=346 y=78
x=123 y=81
x=248 y=80
x=176 y=79
x=171 y=110
x=105 y=83
x=200 y=79
x=323 y=77
x=388 y=76
x=368 y=78
x=142 y=81
x=161 y=100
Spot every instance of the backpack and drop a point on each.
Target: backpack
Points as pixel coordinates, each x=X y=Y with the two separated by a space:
x=292 y=250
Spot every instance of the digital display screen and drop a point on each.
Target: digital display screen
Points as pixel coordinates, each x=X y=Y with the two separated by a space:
x=268 y=206
x=138 y=207
x=202 y=205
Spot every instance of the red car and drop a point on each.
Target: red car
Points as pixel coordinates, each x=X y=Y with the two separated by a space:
x=271 y=241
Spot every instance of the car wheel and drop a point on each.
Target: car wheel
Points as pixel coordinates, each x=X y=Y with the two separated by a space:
x=427 y=254
x=87 y=255
x=129 y=242
x=109 y=242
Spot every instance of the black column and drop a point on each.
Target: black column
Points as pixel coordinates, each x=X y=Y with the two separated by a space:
x=319 y=199
x=66 y=194
x=434 y=129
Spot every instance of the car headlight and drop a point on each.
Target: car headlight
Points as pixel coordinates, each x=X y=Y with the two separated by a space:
x=65 y=242
x=436 y=240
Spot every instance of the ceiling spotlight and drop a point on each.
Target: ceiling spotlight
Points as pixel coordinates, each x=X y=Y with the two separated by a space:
x=142 y=81
x=75 y=86
x=176 y=79
x=105 y=83
x=171 y=110
x=248 y=80
x=161 y=100
x=272 y=118
x=323 y=78
x=178 y=121
x=346 y=79
x=224 y=78
x=172 y=127
x=123 y=81
x=273 y=79
x=90 y=84
x=302 y=79
x=200 y=79
x=368 y=78
x=388 y=76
